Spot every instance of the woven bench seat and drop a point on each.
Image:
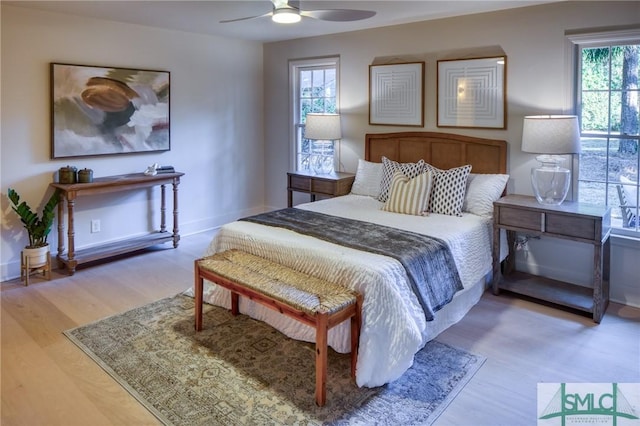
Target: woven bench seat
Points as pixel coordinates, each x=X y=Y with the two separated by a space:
x=310 y=300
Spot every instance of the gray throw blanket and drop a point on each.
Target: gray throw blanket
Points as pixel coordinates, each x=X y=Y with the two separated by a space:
x=428 y=261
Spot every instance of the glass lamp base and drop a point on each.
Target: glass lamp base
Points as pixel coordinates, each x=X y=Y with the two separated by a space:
x=322 y=157
x=322 y=164
x=550 y=182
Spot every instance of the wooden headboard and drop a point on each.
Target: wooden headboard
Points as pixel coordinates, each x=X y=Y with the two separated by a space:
x=442 y=150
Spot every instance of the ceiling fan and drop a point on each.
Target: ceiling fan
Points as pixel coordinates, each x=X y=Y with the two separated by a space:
x=289 y=12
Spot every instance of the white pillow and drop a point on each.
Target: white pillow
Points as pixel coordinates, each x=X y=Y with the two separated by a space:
x=368 y=178
x=449 y=188
x=482 y=191
x=409 y=196
x=389 y=167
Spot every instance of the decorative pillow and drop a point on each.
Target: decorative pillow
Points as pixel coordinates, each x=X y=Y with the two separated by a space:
x=368 y=178
x=482 y=191
x=389 y=167
x=449 y=188
x=409 y=196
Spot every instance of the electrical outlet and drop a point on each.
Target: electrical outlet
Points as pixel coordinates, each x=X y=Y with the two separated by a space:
x=95 y=226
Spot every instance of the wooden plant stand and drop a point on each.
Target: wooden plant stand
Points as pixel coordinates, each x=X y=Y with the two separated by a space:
x=26 y=269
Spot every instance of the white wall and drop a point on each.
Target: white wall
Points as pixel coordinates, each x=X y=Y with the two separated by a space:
x=216 y=124
x=538 y=81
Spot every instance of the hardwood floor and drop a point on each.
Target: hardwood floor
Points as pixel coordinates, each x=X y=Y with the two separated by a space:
x=46 y=380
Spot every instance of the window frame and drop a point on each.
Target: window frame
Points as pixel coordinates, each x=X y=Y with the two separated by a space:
x=577 y=42
x=296 y=127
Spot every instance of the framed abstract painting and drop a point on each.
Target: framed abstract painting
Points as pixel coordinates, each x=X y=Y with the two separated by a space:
x=106 y=111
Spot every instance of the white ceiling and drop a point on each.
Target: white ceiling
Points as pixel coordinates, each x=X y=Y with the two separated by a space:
x=203 y=16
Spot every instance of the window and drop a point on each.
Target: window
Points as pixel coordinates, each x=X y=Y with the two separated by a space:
x=608 y=108
x=314 y=85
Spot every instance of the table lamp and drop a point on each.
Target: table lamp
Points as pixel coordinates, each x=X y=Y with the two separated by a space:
x=551 y=136
x=324 y=128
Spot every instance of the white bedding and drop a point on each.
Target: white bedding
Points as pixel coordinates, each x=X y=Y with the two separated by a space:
x=393 y=327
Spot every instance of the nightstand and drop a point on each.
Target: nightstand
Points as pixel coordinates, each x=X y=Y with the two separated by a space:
x=327 y=185
x=586 y=223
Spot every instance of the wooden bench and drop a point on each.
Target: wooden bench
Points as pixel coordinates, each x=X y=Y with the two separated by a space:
x=308 y=299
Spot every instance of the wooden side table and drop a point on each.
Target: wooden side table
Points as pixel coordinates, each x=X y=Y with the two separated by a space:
x=586 y=223
x=328 y=185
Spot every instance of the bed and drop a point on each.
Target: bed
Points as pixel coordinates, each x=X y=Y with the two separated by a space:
x=394 y=323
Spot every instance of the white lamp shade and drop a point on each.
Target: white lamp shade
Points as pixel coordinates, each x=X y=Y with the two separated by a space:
x=323 y=127
x=551 y=134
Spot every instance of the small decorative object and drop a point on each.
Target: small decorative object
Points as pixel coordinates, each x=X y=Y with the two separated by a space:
x=165 y=169
x=551 y=135
x=396 y=94
x=68 y=174
x=152 y=170
x=36 y=255
x=322 y=130
x=472 y=93
x=105 y=110
x=85 y=176
x=155 y=168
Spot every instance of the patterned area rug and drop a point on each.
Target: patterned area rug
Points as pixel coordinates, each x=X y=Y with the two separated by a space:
x=239 y=371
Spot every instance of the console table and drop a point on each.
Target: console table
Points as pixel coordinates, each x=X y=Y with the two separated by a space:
x=104 y=185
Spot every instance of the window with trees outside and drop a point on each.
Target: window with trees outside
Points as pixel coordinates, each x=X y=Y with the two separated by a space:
x=315 y=90
x=608 y=108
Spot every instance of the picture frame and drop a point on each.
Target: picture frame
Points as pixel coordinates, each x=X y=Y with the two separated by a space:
x=472 y=93
x=107 y=110
x=396 y=94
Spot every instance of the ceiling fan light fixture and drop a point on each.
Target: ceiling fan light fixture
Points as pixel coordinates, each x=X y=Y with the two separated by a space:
x=289 y=12
x=286 y=15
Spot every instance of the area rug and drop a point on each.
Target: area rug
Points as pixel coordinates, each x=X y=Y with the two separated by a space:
x=239 y=371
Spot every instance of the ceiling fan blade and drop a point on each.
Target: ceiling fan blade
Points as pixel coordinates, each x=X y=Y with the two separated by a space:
x=338 y=15
x=247 y=18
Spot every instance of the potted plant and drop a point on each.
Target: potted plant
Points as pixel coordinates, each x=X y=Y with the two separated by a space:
x=38 y=228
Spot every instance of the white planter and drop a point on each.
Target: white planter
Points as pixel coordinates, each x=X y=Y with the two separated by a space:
x=35 y=257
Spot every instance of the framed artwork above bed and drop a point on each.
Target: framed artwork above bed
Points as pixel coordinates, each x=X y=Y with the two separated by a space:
x=396 y=94
x=107 y=110
x=472 y=93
